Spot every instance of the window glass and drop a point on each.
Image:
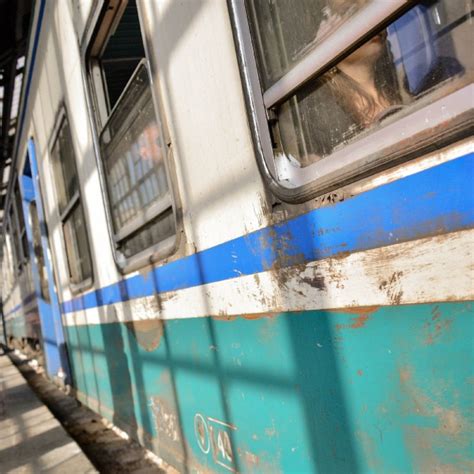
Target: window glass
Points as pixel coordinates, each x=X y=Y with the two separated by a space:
x=132 y=154
x=75 y=236
x=131 y=142
x=285 y=30
x=72 y=215
x=425 y=50
x=63 y=155
x=122 y=53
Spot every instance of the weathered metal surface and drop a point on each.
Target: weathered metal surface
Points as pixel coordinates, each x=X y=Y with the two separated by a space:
x=372 y=389
x=404 y=273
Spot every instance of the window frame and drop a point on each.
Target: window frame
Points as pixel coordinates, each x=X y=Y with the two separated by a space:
x=76 y=199
x=93 y=79
x=401 y=139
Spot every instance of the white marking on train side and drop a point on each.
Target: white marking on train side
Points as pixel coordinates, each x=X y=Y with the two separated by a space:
x=433 y=269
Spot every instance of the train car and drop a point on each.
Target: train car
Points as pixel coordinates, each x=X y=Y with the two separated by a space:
x=251 y=239
x=21 y=322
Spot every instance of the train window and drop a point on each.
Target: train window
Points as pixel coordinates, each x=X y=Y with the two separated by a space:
x=21 y=225
x=38 y=251
x=17 y=238
x=341 y=84
x=8 y=263
x=70 y=205
x=130 y=136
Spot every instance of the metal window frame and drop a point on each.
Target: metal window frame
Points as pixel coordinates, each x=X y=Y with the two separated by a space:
x=76 y=199
x=93 y=82
x=400 y=139
x=143 y=216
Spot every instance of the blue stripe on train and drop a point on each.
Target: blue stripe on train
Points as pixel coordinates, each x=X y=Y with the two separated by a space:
x=25 y=301
x=434 y=201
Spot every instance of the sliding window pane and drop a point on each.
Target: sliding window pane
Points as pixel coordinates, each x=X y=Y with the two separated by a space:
x=133 y=159
x=285 y=30
x=423 y=52
x=64 y=166
x=77 y=246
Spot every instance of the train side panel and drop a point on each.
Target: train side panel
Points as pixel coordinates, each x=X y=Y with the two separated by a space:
x=330 y=336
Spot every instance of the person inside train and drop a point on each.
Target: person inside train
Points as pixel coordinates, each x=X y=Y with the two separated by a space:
x=379 y=78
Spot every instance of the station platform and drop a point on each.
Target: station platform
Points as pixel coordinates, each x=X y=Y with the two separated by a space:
x=31 y=439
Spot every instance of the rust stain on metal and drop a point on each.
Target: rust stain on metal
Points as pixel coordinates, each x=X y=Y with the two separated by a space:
x=249 y=316
x=404 y=374
x=450 y=431
x=281 y=246
x=250 y=459
x=148 y=332
x=354 y=310
x=369 y=447
x=435 y=327
x=271 y=432
x=360 y=321
x=364 y=314
x=450 y=422
x=259 y=315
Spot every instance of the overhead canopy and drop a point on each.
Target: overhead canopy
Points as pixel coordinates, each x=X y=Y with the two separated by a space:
x=14 y=30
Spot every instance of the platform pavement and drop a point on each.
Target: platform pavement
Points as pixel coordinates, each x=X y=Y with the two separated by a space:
x=31 y=439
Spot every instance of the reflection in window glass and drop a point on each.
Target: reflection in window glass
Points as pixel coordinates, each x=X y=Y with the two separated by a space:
x=421 y=52
x=149 y=235
x=66 y=180
x=130 y=135
x=135 y=171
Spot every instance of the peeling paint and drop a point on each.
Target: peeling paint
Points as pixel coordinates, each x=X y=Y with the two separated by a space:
x=147 y=333
x=436 y=327
x=391 y=287
x=449 y=431
x=364 y=314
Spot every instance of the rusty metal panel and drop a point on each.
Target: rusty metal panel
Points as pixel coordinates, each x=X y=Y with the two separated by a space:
x=368 y=390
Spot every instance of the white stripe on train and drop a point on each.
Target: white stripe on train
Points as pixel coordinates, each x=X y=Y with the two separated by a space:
x=434 y=269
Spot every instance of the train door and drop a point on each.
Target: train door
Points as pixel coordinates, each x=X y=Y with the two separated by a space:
x=48 y=306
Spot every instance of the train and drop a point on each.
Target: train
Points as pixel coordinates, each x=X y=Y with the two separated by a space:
x=241 y=230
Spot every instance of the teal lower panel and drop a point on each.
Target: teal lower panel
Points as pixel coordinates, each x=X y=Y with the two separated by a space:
x=381 y=389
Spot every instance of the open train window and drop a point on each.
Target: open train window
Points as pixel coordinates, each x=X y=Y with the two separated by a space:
x=338 y=88
x=130 y=137
x=70 y=205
